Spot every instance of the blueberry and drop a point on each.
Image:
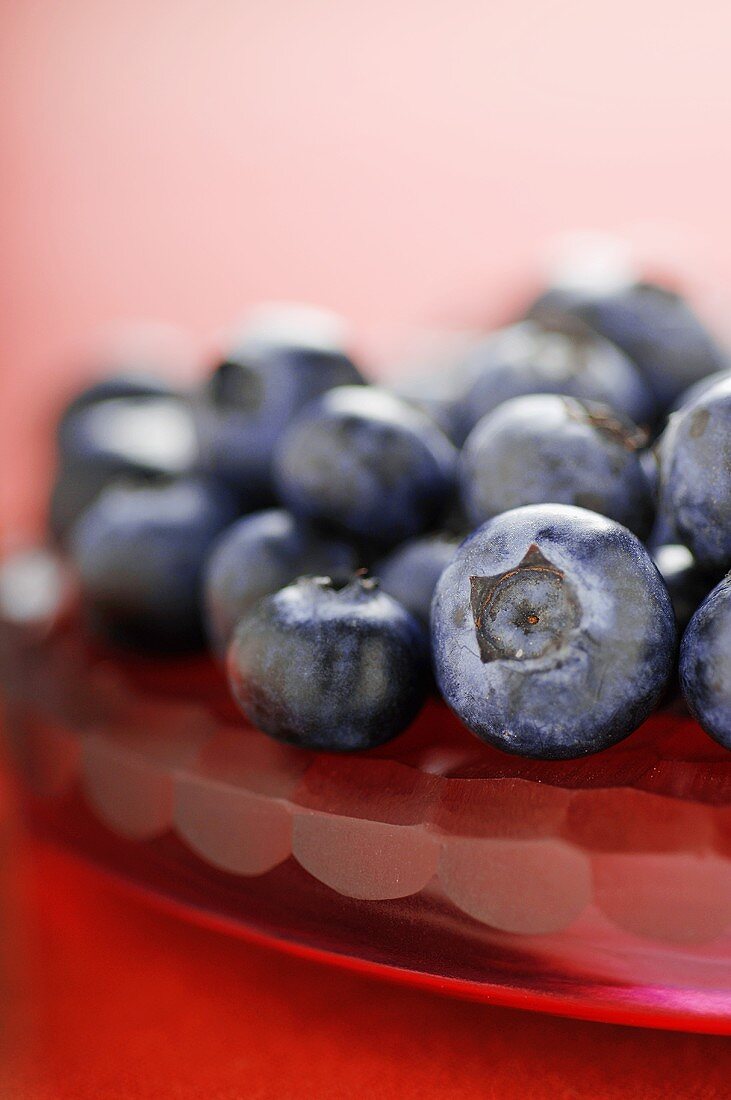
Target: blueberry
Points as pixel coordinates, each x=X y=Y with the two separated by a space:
x=410 y=572
x=687 y=397
x=139 y=553
x=547 y=449
x=686 y=582
x=154 y=433
x=553 y=634
x=695 y=475
x=142 y=438
x=337 y=670
x=367 y=463
x=705 y=664
x=653 y=325
x=566 y=358
x=260 y=554
x=648 y=460
x=663 y=531
x=112 y=387
x=254 y=393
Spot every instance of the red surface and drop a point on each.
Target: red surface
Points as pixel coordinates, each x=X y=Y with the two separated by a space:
x=402 y=162
x=120 y=1001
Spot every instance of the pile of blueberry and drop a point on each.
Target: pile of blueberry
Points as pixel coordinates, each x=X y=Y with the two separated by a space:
x=527 y=530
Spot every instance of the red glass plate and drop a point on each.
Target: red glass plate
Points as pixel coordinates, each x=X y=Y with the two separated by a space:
x=599 y=888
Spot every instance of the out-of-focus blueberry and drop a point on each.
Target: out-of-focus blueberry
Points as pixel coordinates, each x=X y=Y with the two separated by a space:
x=565 y=358
x=656 y=327
x=705 y=664
x=545 y=449
x=113 y=387
x=553 y=634
x=335 y=670
x=141 y=438
x=695 y=475
x=150 y=433
x=411 y=571
x=260 y=554
x=253 y=394
x=663 y=531
x=650 y=465
x=364 y=461
x=140 y=552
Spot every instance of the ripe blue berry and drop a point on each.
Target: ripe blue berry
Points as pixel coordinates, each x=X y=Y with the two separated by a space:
x=695 y=475
x=139 y=438
x=254 y=393
x=653 y=325
x=113 y=387
x=546 y=449
x=529 y=358
x=139 y=553
x=260 y=554
x=336 y=670
x=705 y=663
x=553 y=634
x=687 y=397
x=364 y=461
x=411 y=571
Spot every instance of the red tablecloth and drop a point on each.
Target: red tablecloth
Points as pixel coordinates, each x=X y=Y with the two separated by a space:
x=405 y=163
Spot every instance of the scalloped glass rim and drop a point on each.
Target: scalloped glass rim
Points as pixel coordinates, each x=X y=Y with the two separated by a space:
x=599 y=888
x=652 y=1007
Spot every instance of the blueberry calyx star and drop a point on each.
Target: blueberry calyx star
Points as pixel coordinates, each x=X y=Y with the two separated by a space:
x=524 y=612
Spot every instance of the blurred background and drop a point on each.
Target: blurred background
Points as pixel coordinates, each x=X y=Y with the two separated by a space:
x=408 y=164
